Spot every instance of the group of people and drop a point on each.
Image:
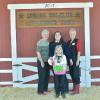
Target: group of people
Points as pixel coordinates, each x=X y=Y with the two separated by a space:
x=60 y=57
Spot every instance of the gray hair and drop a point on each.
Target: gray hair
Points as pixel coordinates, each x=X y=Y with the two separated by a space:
x=44 y=31
x=72 y=29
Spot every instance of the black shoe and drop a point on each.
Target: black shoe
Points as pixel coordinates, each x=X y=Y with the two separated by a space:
x=63 y=95
x=57 y=95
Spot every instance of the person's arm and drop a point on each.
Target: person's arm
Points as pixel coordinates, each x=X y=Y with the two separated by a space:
x=78 y=54
x=40 y=58
x=78 y=59
x=64 y=63
x=51 y=61
x=67 y=53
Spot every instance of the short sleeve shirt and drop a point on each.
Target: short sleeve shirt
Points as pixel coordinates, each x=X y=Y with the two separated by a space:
x=43 y=48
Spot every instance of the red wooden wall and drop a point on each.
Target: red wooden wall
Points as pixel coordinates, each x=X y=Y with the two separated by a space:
x=27 y=38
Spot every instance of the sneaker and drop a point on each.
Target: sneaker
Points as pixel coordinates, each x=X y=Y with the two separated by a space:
x=45 y=92
x=42 y=93
x=57 y=95
x=63 y=95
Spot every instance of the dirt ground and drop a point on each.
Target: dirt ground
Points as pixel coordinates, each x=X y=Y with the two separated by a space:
x=10 y=93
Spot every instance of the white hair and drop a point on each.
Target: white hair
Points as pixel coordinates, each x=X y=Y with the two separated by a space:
x=44 y=31
x=72 y=29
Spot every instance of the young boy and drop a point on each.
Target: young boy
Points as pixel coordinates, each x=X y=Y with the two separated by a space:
x=74 y=46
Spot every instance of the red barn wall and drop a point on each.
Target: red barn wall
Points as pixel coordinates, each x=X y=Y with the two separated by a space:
x=27 y=38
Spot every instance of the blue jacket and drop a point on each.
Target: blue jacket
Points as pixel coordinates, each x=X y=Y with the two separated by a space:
x=66 y=50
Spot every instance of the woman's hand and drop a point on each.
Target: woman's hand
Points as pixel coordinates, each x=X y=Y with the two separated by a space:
x=42 y=64
x=77 y=62
x=71 y=62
